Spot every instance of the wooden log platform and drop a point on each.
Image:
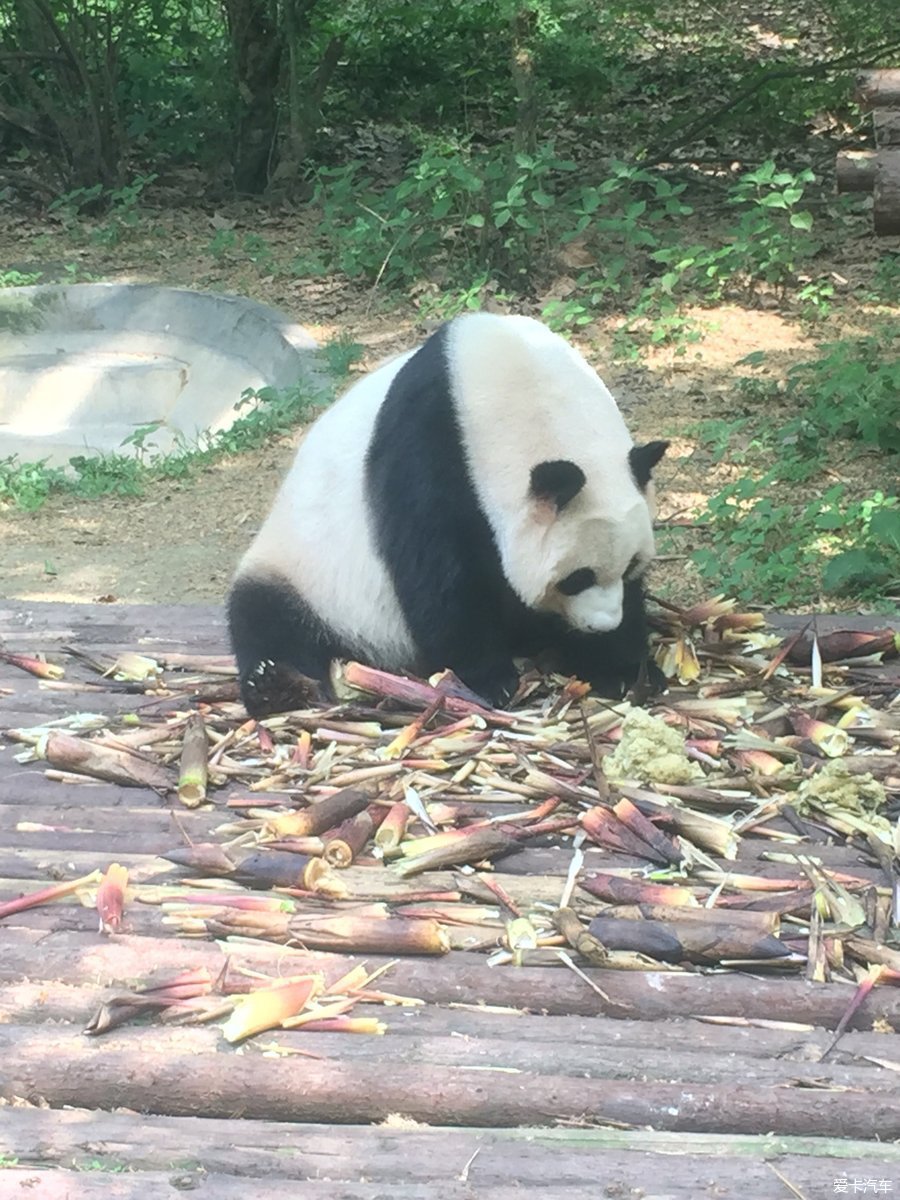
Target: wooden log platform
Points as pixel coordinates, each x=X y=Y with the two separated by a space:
x=502 y=1082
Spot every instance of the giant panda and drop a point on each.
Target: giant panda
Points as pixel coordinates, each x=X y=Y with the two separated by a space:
x=473 y=500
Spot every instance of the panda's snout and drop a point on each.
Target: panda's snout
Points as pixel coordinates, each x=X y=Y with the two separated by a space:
x=597 y=609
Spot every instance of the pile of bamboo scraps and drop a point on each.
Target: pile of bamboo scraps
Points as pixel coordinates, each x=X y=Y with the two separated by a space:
x=706 y=832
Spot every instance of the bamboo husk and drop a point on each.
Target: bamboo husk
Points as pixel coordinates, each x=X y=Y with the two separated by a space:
x=124 y=767
x=163 y=994
x=618 y=889
x=349 y=934
x=604 y=827
x=33 y=666
x=634 y=819
x=111 y=897
x=275 y=868
x=417 y=694
x=193 y=767
x=842 y=644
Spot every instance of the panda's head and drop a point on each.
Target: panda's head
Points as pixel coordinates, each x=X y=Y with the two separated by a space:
x=580 y=540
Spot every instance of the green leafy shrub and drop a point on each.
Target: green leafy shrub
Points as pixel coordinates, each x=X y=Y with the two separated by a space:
x=846 y=402
x=873 y=564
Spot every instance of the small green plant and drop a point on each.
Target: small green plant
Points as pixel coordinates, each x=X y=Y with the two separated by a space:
x=259 y=251
x=267 y=413
x=222 y=243
x=120 y=204
x=886 y=282
x=108 y=1166
x=9 y=279
x=107 y=475
x=27 y=485
x=340 y=355
x=777 y=550
x=275 y=412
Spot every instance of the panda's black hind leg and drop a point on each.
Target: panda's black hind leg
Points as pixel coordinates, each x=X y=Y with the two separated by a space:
x=283 y=650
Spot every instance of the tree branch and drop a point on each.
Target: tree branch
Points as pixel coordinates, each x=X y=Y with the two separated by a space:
x=687 y=130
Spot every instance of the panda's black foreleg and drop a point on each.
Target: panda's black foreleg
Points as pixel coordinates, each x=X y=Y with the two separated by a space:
x=283 y=650
x=454 y=608
x=612 y=662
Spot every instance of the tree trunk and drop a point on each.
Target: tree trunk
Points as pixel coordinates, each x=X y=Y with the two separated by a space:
x=257 y=46
x=305 y=95
x=522 y=69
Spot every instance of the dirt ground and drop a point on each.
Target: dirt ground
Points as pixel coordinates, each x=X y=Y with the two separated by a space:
x=180 y=541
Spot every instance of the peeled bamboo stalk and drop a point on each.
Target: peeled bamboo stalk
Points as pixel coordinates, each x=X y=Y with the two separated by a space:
x=343 y=844
x=580 y=938
x=321 y=815
x=391 y=831
x=460 y=847
x=192 y=775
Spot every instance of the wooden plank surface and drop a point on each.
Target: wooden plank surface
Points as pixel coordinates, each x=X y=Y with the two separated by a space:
x=499 y=1048
x=202 y=1155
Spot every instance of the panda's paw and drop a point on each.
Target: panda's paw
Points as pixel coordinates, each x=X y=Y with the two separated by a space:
x=495 y=683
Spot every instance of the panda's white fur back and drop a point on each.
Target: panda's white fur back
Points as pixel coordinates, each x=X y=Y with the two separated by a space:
x=318 y=534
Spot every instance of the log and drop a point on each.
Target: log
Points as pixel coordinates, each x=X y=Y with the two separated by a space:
x=855 y=170
x=699 y=1042
x=887 y=126
x=185 y=1073
x=879 y=88
x=692 y=1049
x=886 y=190
x=612 y=1161
x=79 y=958
x=18 y=1182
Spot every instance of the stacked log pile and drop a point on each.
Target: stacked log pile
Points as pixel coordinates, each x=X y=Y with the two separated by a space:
x=877 y=171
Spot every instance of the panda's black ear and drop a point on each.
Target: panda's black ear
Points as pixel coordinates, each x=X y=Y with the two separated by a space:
x=643 y=459
x=557 y=482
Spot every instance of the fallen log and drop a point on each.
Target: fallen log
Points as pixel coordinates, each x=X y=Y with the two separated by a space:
x=886 y=122
x=185 y=1073
x=879 y=88
x=886 y=192
x=58 y=1184
x=700 y=1047
x=398 y=1160
x=77 y=958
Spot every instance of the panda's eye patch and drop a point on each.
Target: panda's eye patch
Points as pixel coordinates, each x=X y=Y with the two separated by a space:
x=577 y=582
